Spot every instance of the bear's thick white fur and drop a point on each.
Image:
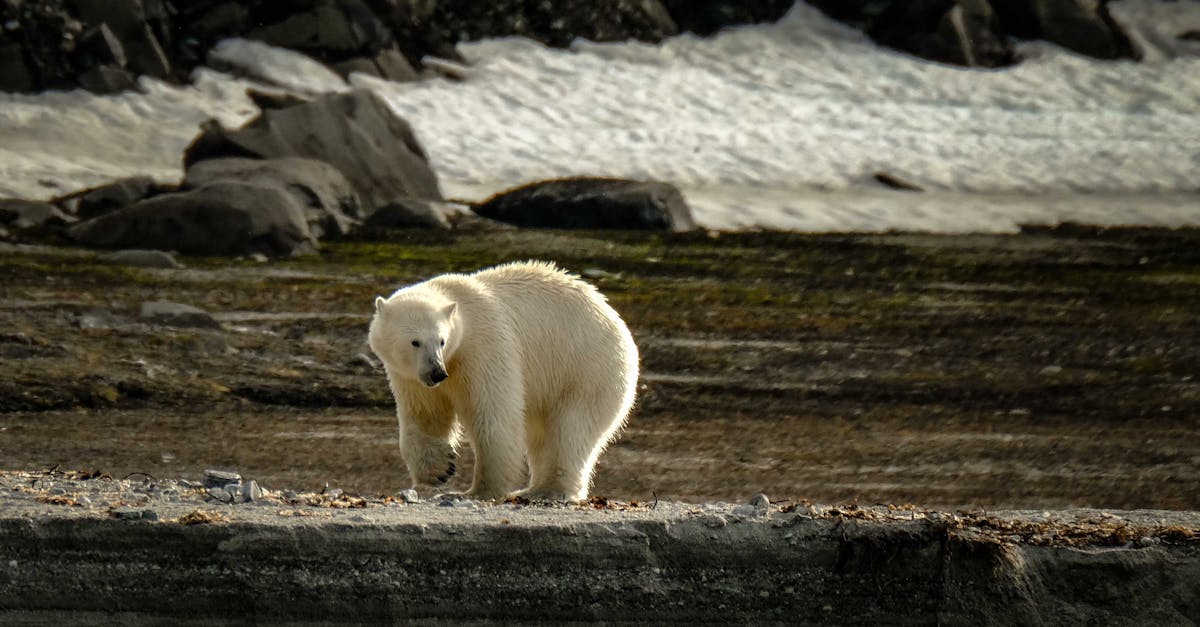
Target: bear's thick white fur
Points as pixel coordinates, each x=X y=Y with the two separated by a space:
x=529 y=363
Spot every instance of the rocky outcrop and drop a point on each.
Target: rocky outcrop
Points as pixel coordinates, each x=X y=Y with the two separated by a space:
x=355 y=132
x=591 y=203
x=980 y=32
x=104 y=45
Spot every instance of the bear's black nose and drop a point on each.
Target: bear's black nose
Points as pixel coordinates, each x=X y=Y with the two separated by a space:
x=437 y=376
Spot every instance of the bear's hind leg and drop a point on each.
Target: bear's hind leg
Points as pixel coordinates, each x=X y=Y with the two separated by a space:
x=573 y=441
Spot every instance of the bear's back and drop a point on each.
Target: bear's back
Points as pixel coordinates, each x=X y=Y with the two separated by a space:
x=565 y=327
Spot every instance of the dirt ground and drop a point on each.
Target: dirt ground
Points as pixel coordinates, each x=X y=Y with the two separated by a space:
x=1055 y=368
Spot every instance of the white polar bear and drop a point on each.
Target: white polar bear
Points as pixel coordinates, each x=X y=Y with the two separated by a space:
x=530 y=363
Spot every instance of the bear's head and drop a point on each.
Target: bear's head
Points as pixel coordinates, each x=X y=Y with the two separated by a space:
x=414 y=335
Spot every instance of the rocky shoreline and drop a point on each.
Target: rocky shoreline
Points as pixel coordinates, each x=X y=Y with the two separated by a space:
x=103 y=47
x=165 y=549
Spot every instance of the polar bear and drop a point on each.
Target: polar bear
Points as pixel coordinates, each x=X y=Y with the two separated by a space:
x=529 y=363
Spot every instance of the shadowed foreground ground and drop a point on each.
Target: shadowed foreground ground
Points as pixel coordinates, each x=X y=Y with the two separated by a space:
x=1052 y=369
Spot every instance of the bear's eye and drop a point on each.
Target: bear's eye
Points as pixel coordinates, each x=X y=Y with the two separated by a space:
x=443 y=342
x=416 y=344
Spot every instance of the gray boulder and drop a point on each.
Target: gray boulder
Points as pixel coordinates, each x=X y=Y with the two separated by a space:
x=592 y=203
x=330 y=204
x=118 y=194
x=356 y=132
x=403 y=213
x=222 y=218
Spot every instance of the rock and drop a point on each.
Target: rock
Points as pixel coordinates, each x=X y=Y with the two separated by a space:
x=222 y=218
x=1085 y=27
x=330 y=30
x=251 y=491
x=99 y=46
x=591 y=203
x=133 y=513
x=112 y=196
x=107 y=79
x=389 y=64
x=177 y=315
x=28 y=214
x=432 y=28
x=963 y=32
x=274 y=100
x=329 y=202
x=289 y=70
x=220 y=478
x=402 y=213
x=894 y=182
x=705 y=17
x=744 y=511
x=128 y=23
x=760 y=502
x=356 y=132
x=142 y=258
x=14 y=73
x=409 y=496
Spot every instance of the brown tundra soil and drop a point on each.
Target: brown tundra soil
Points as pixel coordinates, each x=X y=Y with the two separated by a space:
x=1051 y=369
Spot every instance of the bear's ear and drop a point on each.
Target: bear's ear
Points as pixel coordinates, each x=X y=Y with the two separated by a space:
x=450 y=309
x=379 y=301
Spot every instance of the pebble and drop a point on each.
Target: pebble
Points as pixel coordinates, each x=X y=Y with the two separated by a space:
x=760 y=502
x=84 y=501
x=715 y=522
x=57 y=491
x=133 y=513
x=220 y=478
x=251 y=491
x=409 y=496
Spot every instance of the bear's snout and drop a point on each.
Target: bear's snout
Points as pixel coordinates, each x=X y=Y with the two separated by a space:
x=437 y=376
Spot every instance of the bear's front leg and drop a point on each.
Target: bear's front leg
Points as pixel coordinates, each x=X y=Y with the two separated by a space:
x=495 y=426
x=431 y=460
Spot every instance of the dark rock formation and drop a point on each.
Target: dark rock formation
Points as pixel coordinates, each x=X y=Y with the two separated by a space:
x=705 y=17
x=591 y=203
x=963 y=32
x=1085 y=27
x=329 y=202
x=222 y=218
x=978 y=32
x=356 y=132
